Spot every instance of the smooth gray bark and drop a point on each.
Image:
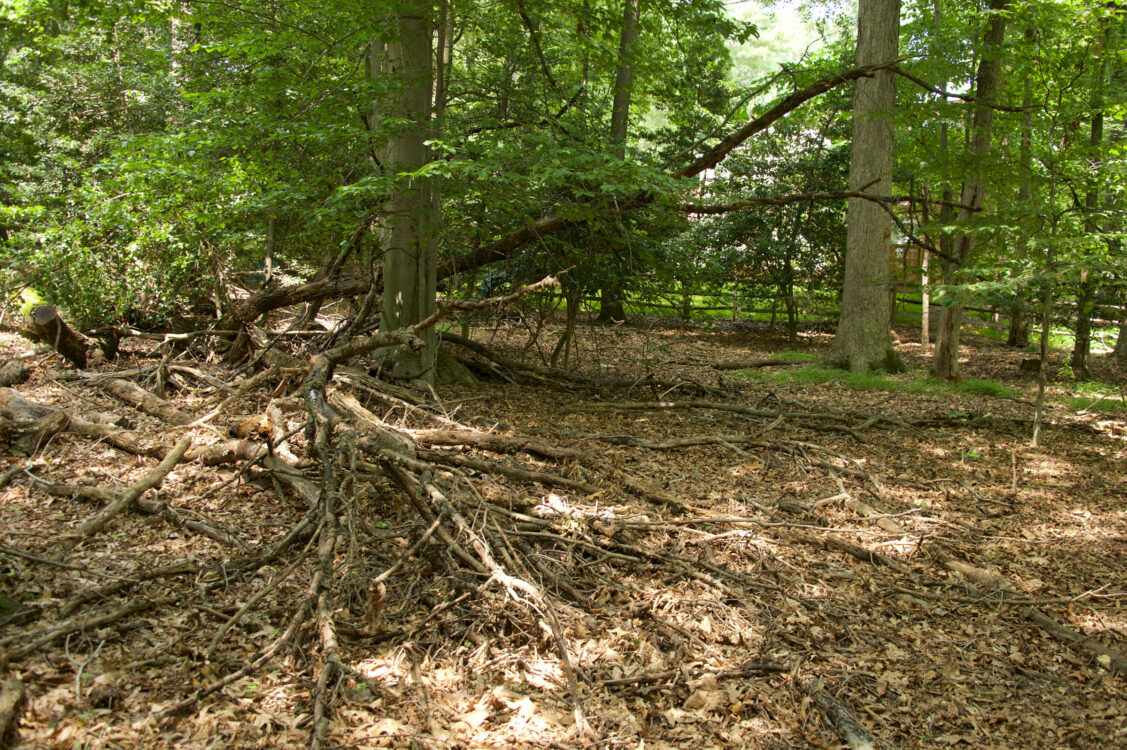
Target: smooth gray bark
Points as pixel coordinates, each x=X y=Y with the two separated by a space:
x=864 y=333
x=410 y=223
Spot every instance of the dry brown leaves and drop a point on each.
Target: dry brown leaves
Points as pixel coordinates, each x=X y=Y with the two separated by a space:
x=921 y=656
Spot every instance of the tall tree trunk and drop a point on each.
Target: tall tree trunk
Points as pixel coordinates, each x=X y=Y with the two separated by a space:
x=1018 y=335
x=946 y=362
x=864 y=333
x=1089 y=281
x=410 y=226
x=610 y=305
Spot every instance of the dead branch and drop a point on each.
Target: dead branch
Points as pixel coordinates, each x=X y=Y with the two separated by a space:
x=820 y=195
x=142 y=400
x=851 y=732
x=746 y=670
x=1104 y=655
x=129 y=497
x=165 y=511
x=182 y=568
x=11 y=704
x=496 y=443
x=549 y=225
x=51 y=634
x=547 y=479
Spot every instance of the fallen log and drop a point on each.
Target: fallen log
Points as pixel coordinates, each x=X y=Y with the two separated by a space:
x=142 y=400
x=14 y=372
x=49 y=326
x=25 y=425
x=11 y=702
x=255 y=305
x=756 y=363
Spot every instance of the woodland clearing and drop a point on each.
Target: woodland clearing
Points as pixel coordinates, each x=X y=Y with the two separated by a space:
x=664 y=555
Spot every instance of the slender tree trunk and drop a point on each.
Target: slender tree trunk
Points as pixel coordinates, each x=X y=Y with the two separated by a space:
x=410 y=227
x=1018 y=335
x=611 y=295
x=1089 y=281
x=1085 y=302
x=1121 y=341
x=1042 y=371
x=946 y=362
x=925 y=306
x=864 y=333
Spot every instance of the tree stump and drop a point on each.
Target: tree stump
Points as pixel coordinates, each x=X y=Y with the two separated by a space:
x=52 y=330
x=25 y=425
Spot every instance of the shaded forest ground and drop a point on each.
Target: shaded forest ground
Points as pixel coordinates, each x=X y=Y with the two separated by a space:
x=901 y=556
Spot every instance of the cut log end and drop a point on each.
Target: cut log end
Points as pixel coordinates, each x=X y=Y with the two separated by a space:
x=52 y=330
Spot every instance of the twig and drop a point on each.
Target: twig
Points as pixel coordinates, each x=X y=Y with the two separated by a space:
x=129 y=497
x=742 y=671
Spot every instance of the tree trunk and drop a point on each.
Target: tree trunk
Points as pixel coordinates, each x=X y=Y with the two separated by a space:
x=864 y=333
x=52 y=330
x=946 y=362
x=1018 y=335
x=1121 y=341
x=925 y=306
x=410 y=226
x=611 y=295
x=1085 y=302
x=1089 y=281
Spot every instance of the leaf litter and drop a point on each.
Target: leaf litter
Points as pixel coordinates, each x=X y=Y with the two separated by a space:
x=883 y=553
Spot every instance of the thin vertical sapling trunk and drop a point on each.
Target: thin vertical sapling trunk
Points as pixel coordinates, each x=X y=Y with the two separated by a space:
x=946 y=362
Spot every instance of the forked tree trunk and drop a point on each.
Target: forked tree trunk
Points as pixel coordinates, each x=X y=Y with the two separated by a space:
x=864 y=333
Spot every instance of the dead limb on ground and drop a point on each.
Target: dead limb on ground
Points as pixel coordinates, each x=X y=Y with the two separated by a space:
x=328 y=438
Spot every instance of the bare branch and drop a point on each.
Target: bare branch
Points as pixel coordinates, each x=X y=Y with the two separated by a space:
x=952 y=95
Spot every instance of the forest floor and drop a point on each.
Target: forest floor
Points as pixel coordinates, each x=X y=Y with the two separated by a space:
x=906 y=559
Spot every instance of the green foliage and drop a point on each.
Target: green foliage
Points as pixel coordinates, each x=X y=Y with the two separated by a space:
x=1096 y=404
x=154 y=152
x=912 y=382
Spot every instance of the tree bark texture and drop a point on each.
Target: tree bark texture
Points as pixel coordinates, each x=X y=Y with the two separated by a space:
x=946 y=362
x=52 y=330
x=611 y=298
x=864 y=335
x=411 y=223
x=1018 y=335
x=25 y=426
